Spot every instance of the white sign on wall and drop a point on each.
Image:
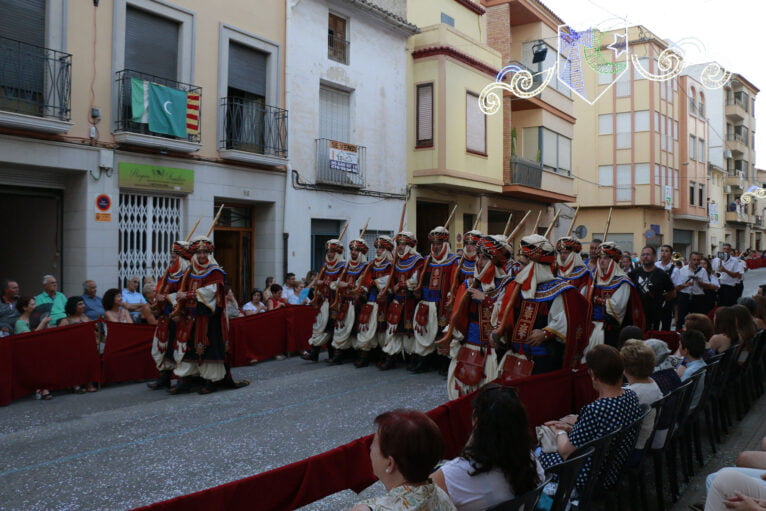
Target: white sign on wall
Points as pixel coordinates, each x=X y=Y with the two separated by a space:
x=344 y=156
x=668 y=197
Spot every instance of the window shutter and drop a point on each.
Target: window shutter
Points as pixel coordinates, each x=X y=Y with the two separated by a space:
x=425 y=121
x=23 y=20
x=476 y=139
x=624 y=186
x=247 y=69
x=334 y=114
x=151 y=44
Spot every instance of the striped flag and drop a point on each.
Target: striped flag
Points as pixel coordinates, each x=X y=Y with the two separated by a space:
x=139 y=100
x=192 y=113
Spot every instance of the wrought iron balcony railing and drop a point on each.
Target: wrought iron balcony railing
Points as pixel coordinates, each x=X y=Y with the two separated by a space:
x=340 y=164
x=34 y=80
x=525 y=172
x=337 y=49
x=249 y=125
x=125 y=120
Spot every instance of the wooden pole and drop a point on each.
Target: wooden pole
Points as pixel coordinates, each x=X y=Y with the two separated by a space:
x=606 y=228
x=518 y=227
x=508 y=224
x=574 y=218
x=478 y=219
x=550 y=227
x=537 y=223
x=215 y=221
x=193 y=229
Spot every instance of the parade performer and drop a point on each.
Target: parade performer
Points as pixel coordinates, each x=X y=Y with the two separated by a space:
x=615 y=301
x=401 y=301
x=570 y=265
x=324 y=294
x=468 y=339
x=165 y=333
x=467 y=263
x=435 y=282
x=202 y=333
x=372 y=314
x=345 y=307
x=544 y=318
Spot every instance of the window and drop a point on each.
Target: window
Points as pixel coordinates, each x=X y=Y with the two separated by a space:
x=334 y=114
x=565 y=154
x=701 y=190
x=692 y=101
x=701 y=156
x=448 y=20
x=662 y=129
x=246 y=98
x=675 y=179
x=701 y=108
x=605 y=78
x=605 y=175
x=643 y=173
x=530 y=143
x=675 y=130
x=425 y=119
x=550 y=149
x=624 y=187
x=151 y=44
x=605 y=124
x=476 y=125
x=622 y=87
x=692 y=190
x=337 y=44
x=642 y=120
x=623 y=130
x=645 y=64
x=692 y=147
x=657 y=178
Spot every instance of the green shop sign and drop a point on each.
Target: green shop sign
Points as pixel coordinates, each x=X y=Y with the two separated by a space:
x=156 y=178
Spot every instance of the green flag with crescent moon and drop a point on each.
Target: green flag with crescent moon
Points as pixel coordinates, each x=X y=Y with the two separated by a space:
x=167 y=110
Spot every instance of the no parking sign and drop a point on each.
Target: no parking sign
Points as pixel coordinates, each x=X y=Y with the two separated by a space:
x=103 y=207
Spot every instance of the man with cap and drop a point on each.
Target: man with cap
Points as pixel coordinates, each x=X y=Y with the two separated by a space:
x=202 y=333
x=435 y=283
x=346 y=303
x=372 y=314
x=468 y=339
x=324 y=295
x=615 y=302
x=401 y=300
x=165 y=333
x=570 y=265
x=543 y=317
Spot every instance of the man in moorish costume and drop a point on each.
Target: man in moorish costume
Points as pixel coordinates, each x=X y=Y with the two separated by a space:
x=548 y=322
x=347 y=303
x=474 y=361
x=324 y=295
x=165 y=333
x=401 y=300
x=570 y=265
x=615 y=301
x=202 y=333
x=467 y=262
x=372 y=314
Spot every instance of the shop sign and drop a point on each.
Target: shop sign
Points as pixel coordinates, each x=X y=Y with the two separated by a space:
x=153 y=177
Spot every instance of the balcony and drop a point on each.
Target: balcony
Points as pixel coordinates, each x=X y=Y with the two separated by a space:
x=35 y=87
x=340 y=164
x=736 y=143
x=133 y=129
x=736 y=109
x=739 y=217
x=253 y=132
x=338 y=49
x=735 y=179
x=529 y=181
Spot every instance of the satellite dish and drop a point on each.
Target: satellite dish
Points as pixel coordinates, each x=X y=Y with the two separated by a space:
x=580 y=232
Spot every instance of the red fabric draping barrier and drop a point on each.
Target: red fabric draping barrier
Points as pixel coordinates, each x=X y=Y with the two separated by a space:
x=52 y=359
x=127 y=353
x=672 y=338
x=299 y=326
x=753 y=264
x=582 y=389
x=269 y=334
x=546 y=396
x=6 y=368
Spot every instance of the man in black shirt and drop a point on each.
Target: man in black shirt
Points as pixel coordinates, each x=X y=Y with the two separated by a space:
x=654 y=286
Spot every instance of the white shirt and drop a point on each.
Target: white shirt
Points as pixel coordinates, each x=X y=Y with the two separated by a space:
x=667 y=267
x=478 y=492
x=287 y=293
x=682 y=276
x=252 y=308
x=132 y=296
x=733 y=264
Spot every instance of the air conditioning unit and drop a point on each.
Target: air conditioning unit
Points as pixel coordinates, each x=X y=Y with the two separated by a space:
x=727 y=154
x=727 y=189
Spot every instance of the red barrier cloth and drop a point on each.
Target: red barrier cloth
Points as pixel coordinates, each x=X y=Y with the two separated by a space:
x=55 y=358
x=258 y=337
x=128 y=353
x=546 y=396
x=6 y=371
x=672 y=338
x=582 y=387
x=299 y=326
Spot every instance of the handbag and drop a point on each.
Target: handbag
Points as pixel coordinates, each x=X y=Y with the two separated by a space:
x=514 y=368
x=546 y=437
x=469 y=369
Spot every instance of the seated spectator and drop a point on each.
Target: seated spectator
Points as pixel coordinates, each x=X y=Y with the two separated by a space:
x=306 y=290
x=288 y=289
x=113 y=309
x=275 y=301
x=497 y=463
x=638 y=359
x=6 y=330
x=94 y=307
x=736 y=488
x=267 y=289
x=629 y=332
x=25 y=305
x=692 y=347
x=75 y=311
x=52 y=296
x=753 y=459
x=232 y=307
x=746 y=330
x=404 y=452
x=725 y=328
x=703 y=324
x=255 y=305
x=10 y=295
x=760 y=311
x=150 y=293
x=615 y=407
x=132 y=300
x=299 y=297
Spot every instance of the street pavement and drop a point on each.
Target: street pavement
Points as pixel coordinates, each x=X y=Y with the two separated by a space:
x=127 y=446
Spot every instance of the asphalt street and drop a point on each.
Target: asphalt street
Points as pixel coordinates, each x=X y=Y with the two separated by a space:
x=127 y=446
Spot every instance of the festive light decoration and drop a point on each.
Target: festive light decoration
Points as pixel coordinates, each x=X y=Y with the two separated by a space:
x=754 y=192
x=520 y=85
x=670 y=63
x=714 y=76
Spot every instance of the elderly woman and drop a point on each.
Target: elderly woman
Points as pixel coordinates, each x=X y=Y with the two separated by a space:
x=638 y=359
x=403 y=453
x=615 y=408
x=497 y=462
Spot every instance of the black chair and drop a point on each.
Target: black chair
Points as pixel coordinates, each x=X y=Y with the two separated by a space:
x=719 y=393
x=691 y=429
x=676 y=442
x=749 y=383
x=602 y=447
x=526 y=502
x=567 y=473
x=758 y=365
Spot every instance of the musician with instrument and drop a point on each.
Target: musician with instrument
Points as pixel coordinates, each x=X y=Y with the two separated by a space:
x=370 y=326
x=401 y=301
x=346 y=306
x=324 y=296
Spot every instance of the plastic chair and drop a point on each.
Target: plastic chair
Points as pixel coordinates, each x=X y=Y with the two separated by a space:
x=567 y=473
x=696 y=380
x=602 y=447
x=692 y=431
x=526 y=502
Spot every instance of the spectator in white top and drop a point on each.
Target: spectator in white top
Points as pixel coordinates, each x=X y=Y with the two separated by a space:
x=288 y=290
x=691 y=281
x=132 y=299
x=730 y=269
x=638 y=359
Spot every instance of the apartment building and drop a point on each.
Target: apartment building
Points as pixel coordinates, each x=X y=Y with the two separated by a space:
x=122 y=123
x=347 y=93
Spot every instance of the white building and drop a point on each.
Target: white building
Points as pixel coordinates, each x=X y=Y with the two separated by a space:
x=346 y=92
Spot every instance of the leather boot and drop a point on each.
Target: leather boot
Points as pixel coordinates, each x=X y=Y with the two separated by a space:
x=330 y=353
x=363 y=360
x=182 y=387
x=412 y=362
x=443 y=363
x=162 y=382
x=338 y=358
x=312 y=355
x=388 y=363
x=423 y=365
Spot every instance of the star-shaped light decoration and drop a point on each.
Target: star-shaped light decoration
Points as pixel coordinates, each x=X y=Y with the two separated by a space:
x=619 y=47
